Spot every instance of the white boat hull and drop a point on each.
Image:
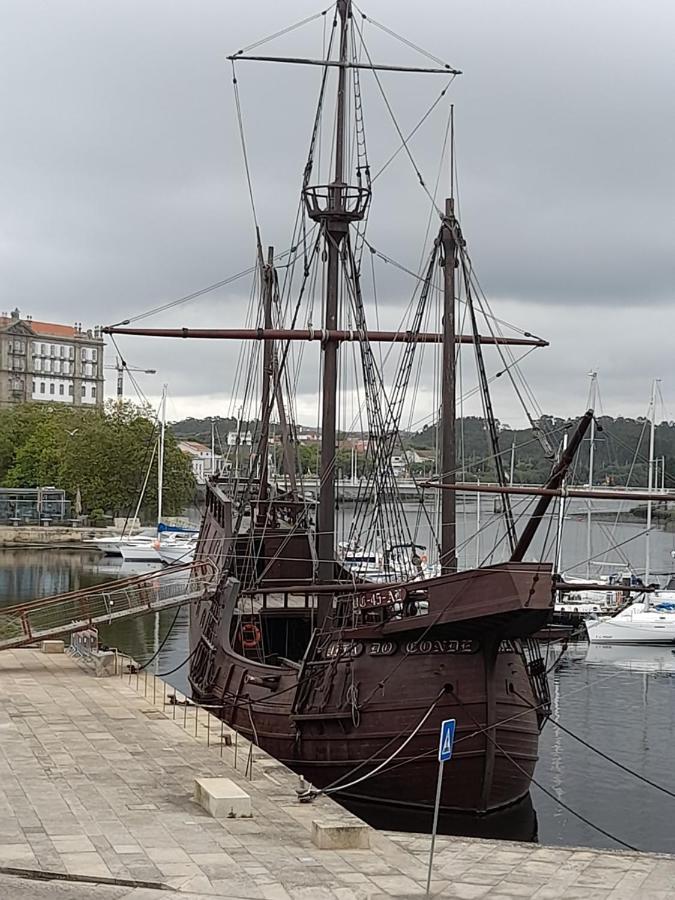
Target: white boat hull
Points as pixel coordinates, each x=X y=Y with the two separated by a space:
x=139 y=553
x=638 y=629
x=112 y=546
x=176 y=553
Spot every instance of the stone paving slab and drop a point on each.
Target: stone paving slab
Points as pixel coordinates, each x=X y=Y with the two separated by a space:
x=97 y=779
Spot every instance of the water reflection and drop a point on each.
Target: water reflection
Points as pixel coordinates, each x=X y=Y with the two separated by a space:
x=634 y=657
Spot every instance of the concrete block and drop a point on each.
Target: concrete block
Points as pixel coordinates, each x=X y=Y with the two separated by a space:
x=339 y=834
x=52 y=646
x=222 y=798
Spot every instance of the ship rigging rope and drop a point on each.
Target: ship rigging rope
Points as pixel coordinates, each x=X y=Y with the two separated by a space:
x=399 y=37
x=283 y=31
x=482 y=729
x=541 y=787
x=601 y=753
x=343 y=787
x=402 y=137
x=170 y=304
x=391 y=261
x=412 y=133
x=161 y=646
x=242 y=138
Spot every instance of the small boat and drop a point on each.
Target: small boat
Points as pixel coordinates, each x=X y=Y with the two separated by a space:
x=177 y=550
x=112 y=546
x=140 y=551
x=651 y=621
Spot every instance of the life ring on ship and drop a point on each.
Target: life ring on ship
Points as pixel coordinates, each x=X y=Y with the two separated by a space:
x=250 y=636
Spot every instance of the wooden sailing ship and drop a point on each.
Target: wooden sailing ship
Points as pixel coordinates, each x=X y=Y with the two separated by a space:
x=342 y=679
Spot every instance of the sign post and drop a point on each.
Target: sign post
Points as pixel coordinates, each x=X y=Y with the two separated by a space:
x=445 y=742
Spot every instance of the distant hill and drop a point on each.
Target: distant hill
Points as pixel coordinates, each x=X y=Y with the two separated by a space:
x=200 y=430
x=621 y=447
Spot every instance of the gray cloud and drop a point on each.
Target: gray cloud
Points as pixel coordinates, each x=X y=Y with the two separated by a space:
x=122 y=178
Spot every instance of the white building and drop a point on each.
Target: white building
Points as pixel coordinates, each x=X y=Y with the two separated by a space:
x=204 y=463
x=243 y=438
x=48 y=362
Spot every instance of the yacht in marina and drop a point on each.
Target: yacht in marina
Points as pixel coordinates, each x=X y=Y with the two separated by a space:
x=648 y=621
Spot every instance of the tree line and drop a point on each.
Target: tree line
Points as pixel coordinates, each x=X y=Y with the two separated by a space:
x=621 y=448
x=103 y=453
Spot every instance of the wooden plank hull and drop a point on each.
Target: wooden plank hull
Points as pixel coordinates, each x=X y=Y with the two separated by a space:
x=392 y=662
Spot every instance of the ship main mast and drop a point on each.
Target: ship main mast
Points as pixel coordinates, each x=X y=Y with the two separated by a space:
x=335 y=229
x=334 y=206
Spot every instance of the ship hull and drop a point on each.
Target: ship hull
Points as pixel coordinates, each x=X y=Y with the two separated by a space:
x=485 y=773
x=358 y=702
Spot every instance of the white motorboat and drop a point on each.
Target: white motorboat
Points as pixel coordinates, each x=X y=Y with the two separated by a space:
x=140 y=551
x=177 y=550
x=651 y=621
x=112 y=546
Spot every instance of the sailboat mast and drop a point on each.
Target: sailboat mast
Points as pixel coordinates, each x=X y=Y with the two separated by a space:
x=335 y=229
x=448 y=558
x=591 y=460
x=650 y=482
x=160 y=460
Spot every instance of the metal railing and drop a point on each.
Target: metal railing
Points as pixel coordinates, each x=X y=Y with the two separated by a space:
x=100 y=605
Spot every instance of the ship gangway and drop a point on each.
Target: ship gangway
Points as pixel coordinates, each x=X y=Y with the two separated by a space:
x=62 y=614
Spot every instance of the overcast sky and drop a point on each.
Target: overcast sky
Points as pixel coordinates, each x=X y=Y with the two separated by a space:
x=123 y=187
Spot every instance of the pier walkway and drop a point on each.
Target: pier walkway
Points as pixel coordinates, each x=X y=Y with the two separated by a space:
x=96 y=788
x=63 y=614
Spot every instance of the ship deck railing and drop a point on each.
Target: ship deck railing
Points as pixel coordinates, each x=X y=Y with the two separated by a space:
x=62 y=614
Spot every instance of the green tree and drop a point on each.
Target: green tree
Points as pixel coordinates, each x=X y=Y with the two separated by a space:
x=106 y=454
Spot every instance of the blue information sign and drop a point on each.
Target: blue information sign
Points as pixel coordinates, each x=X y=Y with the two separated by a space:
x=446 y=739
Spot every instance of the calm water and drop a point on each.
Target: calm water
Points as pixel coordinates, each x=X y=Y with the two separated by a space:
x=618 y=699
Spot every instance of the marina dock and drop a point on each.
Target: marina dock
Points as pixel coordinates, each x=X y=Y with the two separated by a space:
x=97 y=801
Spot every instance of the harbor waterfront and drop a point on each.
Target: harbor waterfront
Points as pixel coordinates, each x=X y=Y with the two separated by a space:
x=97 y=786
x=616 y=698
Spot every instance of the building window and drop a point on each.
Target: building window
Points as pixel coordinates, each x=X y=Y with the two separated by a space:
x=42 y=387
x=62 y=351
x=61 y=390
x=93 y=392
x=51 y=388
x=71 y=352
x=84 y=390
x=52 y=350
x=37 y=365
x=43 y=349
x=93 y=355
x=70 y=390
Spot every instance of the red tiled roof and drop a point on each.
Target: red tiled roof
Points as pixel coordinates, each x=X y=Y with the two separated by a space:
x=47 y=328
x=53 y=328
